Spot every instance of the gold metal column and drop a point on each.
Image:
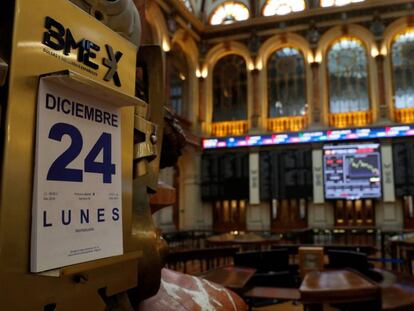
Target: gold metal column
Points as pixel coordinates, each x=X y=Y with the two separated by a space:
x=88 y=285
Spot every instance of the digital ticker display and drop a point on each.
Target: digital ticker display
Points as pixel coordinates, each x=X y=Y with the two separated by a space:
x=352 y=171
x=322 y=136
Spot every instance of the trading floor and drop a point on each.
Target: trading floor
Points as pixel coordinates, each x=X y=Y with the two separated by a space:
x=177 y=155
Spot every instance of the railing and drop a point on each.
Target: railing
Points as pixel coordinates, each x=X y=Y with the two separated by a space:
x=356 y=118
x=195 y=239
x=188 y=239
x=405 y=115
x=287 y=124
x=194 y=252
x=229 y=128
x=196 y=261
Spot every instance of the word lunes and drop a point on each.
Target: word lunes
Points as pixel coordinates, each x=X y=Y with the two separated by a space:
x=81 y=217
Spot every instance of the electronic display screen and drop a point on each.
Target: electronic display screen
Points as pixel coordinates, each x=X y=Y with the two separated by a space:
x=309 y=137
x=352 y=171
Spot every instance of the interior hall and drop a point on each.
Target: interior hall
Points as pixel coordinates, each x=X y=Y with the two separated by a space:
x=168 y=155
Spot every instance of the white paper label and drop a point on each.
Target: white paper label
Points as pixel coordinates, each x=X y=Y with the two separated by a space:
x=77 y=205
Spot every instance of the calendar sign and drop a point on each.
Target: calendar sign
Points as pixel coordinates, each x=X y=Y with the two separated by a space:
x=77 y=205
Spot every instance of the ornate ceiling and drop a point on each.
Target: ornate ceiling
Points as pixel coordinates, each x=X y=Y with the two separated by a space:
x=228 y=11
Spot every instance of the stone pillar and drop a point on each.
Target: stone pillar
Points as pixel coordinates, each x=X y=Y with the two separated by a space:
x=389 y=215
x=320 y=215
x=191 y=209
x=316 y=102
x=258 y=217
x=383 y=111
x=164 y=218
x=193 y=213
x=256 y=106
x=201 y=104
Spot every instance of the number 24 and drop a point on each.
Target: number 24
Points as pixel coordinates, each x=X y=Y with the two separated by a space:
x=59 y=171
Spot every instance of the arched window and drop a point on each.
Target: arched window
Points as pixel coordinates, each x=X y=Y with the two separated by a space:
x=286 y=83
x=283 y=7
x=177 y=77
x=402 y=53
x=328 y=3
x=348 y=76
x=229 y=12
x=230 y=89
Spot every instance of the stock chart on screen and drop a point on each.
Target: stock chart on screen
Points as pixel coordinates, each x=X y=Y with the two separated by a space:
x=352 y=171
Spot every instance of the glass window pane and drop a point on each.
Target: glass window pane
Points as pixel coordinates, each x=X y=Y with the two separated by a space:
x=176 y=92
x=286 y=79
x=402 y=55
x=283 y=7
x=229 y=12
x=348 y=76
x=230 y=89
x=177 y=71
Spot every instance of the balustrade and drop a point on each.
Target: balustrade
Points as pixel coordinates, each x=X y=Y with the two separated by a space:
x=405 y=115
x=348 y=119
x=229 y=128
x=287 y=124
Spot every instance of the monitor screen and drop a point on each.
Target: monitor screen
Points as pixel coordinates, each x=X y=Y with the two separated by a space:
x=352 y=171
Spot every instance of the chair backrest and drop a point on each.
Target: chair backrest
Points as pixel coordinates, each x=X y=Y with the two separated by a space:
x=248 y=259
x=264 y=261
x=275 y=260
x=273 y=279
x=340 y=259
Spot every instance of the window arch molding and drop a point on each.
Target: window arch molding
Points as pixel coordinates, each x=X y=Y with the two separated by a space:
x=390 y=33
x=325 y=43
x=285 y=7
x=267 y=49
x=156 y=19
x=188 y=45
x=212 y=57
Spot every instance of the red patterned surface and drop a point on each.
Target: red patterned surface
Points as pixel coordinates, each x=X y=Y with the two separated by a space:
x=181 y=292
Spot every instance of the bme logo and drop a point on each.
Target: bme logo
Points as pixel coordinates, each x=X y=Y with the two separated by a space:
x=59 y=38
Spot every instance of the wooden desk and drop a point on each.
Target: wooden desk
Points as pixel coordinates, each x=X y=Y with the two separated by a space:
x=338 y=286
x=397 y=292
x=273 y=293
x=397 y=298
x=231 y=277
x=278 y=293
